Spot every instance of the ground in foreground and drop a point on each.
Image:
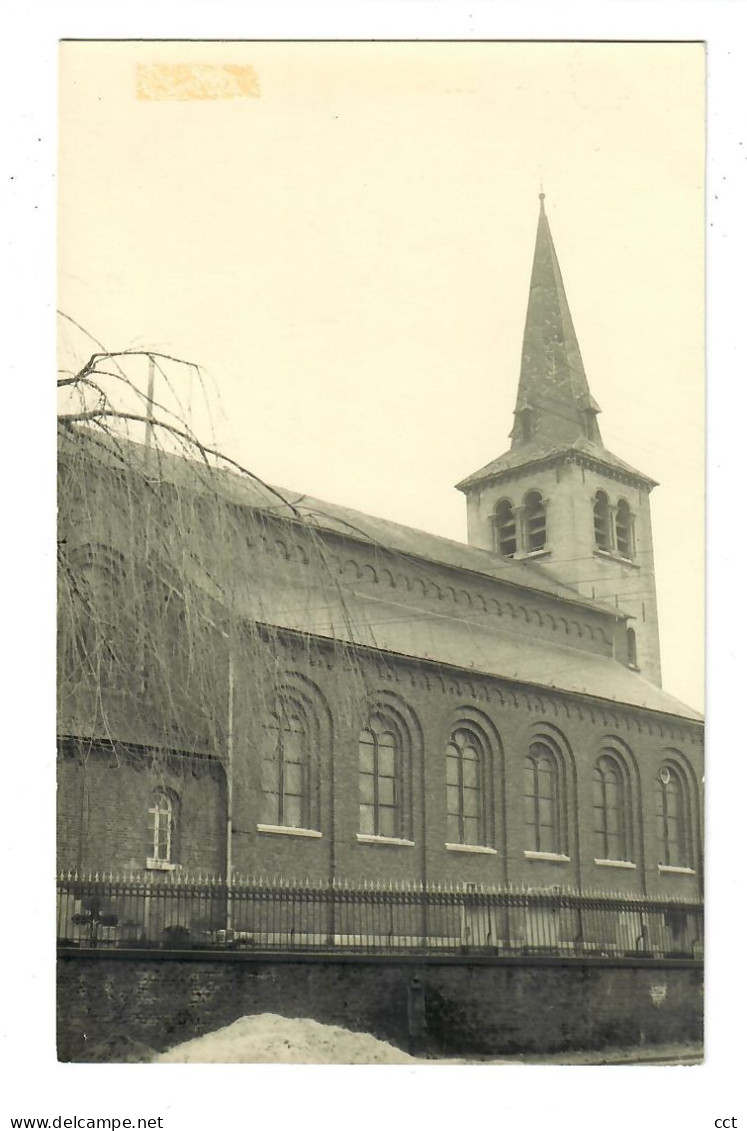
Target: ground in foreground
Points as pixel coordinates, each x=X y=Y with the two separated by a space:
x=267 y=1038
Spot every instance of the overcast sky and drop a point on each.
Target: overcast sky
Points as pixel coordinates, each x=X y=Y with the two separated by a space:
x=345 y=248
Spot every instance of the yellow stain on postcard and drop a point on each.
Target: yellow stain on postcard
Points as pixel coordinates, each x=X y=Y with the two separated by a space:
x=185 y=82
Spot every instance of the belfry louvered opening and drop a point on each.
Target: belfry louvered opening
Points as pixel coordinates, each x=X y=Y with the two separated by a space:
x=505 y=529
x=535 y=518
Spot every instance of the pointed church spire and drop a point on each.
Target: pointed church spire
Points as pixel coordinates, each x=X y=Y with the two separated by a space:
x=555 y=414
x=553 y=405
x=558 y=497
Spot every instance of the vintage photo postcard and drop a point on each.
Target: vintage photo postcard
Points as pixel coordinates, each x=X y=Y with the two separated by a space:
x=380 y=535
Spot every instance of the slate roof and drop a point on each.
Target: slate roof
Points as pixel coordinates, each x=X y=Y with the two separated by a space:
x=364 y=618
x=347 y=522
x=350 y=614
x=552 y=379
x=539 y=451
x=436 y=549
x=553 y=387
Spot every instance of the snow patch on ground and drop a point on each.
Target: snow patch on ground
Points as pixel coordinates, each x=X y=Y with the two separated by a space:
x=269 y=1039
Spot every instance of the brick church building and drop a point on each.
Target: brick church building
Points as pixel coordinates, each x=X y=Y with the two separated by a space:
x=256 y=683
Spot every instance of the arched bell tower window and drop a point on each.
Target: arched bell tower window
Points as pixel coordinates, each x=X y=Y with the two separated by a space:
x=602 y=521
x=624 y=530
x=535 y=518
x=504 y=526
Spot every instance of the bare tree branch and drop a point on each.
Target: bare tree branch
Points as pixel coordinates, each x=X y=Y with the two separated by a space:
x=68 y=419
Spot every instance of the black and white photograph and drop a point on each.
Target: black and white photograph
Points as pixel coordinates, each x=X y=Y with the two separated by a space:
x=404 y=760
x=372 y=387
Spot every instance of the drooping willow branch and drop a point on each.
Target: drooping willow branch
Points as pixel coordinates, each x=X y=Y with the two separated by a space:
x=159 y=580
x=83 y=379
x=204 y=450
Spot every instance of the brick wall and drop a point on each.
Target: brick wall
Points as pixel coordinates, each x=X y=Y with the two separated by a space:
x=429 y=701
x=491 y=1008
x=104 y=798
x=104 y=793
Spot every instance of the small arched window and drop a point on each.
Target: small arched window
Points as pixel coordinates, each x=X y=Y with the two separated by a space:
x=542 y=799
x=624 y=530
x=535 y=517
x=505 y=528
x=602 y=521
x=611 y=817
x=672 y=818
x=286 y=785
x=380 y=808
x=162 y=828
x=465 y=788
x=632 y=648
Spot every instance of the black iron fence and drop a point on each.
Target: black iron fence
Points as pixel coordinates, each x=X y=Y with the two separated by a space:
x=270 y=915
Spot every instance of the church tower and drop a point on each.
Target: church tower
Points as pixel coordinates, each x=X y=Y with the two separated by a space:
x=558 y=497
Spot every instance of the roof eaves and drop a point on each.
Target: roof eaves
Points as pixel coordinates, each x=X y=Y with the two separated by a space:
x=696 y=719
x=496 y=471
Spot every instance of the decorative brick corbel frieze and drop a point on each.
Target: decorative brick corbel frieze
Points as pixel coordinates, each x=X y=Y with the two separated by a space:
x=361 y=565
x=429 y=676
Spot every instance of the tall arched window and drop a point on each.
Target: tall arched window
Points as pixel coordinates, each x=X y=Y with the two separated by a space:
x=535 y=519
x=286 y=784
x=162 y=828
x=611 y=816
x=380 y=785
x=602 y=533
x=504 y=521
x=466 y=788
x=624 y=530
x=632 y=648
x=102 y=627
x=672 y=817
x=543 y=800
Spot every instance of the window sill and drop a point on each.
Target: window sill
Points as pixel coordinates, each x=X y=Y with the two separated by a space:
x=159 y=866
x=552 y=857
x=609 y=556
x=371 y=838
x=533 y=554
x=677 y=870
x=477 y=848
x=288 y=830
x=615 y=863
